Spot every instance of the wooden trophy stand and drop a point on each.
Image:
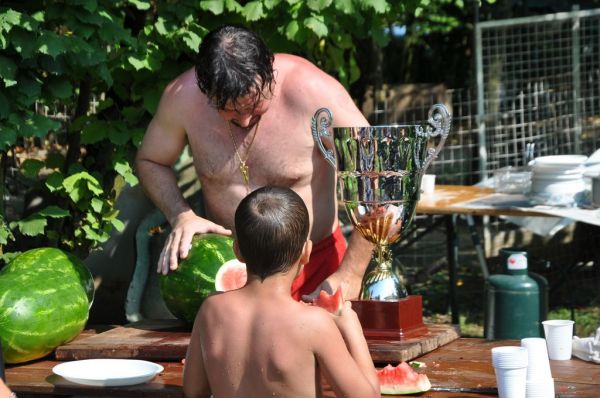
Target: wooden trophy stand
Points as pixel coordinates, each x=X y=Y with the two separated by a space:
x=395 y=331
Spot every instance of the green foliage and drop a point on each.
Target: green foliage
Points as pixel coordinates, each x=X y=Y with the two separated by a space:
x=56 y=57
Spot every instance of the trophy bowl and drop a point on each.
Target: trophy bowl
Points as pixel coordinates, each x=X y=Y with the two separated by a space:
x=379 y=172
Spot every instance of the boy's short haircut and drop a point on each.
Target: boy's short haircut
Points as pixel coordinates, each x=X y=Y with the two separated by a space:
x=271 y=225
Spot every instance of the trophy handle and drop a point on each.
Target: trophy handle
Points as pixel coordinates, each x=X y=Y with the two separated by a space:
x=320 y=122
x=439 y=121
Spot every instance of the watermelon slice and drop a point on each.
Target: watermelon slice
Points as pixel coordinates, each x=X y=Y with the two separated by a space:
x=402 y=379
x=232 y=275
x=331 y=302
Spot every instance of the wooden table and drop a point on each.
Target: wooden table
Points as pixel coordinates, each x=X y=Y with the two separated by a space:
x=461 y=368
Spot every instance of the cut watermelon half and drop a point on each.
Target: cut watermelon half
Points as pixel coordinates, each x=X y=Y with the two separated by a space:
x=232 y=275
x=331 y=302
x=402 y=379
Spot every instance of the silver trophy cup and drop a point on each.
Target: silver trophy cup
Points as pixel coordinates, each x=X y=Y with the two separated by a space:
x=379 y=171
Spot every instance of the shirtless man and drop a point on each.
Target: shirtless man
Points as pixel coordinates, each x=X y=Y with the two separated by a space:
x=246 y=116
x=257 y=341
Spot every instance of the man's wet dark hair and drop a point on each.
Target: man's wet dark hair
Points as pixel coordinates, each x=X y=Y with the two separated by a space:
x=233 y=62
x=271 y=225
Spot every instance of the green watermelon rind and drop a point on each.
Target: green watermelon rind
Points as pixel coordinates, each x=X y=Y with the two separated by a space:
x=186 y=288
x=43 y=304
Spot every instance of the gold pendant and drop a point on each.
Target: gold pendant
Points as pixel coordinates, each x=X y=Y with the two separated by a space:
x=245 y=172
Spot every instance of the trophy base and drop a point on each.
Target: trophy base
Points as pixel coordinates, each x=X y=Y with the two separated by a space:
x=391 y=320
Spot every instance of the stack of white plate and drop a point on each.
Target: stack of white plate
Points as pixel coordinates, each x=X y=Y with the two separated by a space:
x=557 y=180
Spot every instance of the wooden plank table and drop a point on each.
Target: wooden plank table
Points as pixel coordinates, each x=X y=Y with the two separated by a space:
x=461 y=368
x=167 y=340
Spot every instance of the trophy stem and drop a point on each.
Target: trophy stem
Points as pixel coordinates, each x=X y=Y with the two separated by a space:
x=384 y=282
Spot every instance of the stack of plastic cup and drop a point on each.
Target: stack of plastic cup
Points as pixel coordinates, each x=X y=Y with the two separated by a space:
x=540 y=383
x=510 y=366
x=559 y=338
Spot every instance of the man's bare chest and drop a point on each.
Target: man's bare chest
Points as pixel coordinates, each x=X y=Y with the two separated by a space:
x=279 y=154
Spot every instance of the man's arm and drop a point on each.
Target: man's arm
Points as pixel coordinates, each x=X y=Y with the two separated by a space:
x=163 y=143
x=195 y=380
x=343 y=354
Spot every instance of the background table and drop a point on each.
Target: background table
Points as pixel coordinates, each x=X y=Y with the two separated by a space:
x=451 y=201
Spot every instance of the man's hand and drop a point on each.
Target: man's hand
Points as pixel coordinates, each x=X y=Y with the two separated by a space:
x=179 y=241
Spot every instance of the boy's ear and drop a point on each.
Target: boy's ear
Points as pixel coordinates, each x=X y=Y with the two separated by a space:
x=236 y=250
x=305 y=257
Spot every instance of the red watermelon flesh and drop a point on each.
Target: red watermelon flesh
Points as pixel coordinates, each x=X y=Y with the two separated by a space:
x=402 y=379
x=331 y=302
x=232 y=275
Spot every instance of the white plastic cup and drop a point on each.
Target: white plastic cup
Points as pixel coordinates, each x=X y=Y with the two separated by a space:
x=559 y=338
x=508 y=357
x=510 y=366
x=511 y=382
x=428 y=184
x=540 y=388
x=538 y=365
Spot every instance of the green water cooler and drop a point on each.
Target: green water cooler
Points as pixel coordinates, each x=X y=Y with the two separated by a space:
x=516 y=301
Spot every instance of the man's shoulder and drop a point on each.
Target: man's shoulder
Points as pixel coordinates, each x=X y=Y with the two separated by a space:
x=182 y=93
x=303 y=82
x=184 y=84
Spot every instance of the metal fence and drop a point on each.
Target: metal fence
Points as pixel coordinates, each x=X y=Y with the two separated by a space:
x=538 y=80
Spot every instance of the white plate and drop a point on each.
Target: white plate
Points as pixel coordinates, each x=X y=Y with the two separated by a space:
x=108 y=372
x=558 y=160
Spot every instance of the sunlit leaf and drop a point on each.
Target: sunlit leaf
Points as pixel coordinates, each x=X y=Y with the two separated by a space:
x=137 y=63
x=345 y=6
x=192 y=40
x=253 y=11
x=97 y=205
x=317 y=25
x=31 y=226
x=214 y=6
x=140 y=4
x=318 y=5
x=118 y=224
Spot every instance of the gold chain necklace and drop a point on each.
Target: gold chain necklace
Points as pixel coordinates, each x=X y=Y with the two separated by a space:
x=244 y=170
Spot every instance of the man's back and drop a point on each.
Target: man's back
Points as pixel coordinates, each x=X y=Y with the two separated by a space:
x=259 y=345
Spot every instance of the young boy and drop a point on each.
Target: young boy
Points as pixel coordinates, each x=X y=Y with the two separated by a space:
x=259 y=342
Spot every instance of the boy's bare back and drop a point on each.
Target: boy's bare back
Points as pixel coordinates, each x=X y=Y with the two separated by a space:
x=270 y=352
x=260 y=342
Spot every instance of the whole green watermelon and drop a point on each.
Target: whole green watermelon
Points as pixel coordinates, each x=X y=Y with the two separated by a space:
x=186 y=288
x=45 y=295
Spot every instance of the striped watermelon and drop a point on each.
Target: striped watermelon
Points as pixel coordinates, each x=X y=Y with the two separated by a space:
x=185 y=289
x=45 y=295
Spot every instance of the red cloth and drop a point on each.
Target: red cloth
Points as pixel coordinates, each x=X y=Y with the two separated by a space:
x=325 y=258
